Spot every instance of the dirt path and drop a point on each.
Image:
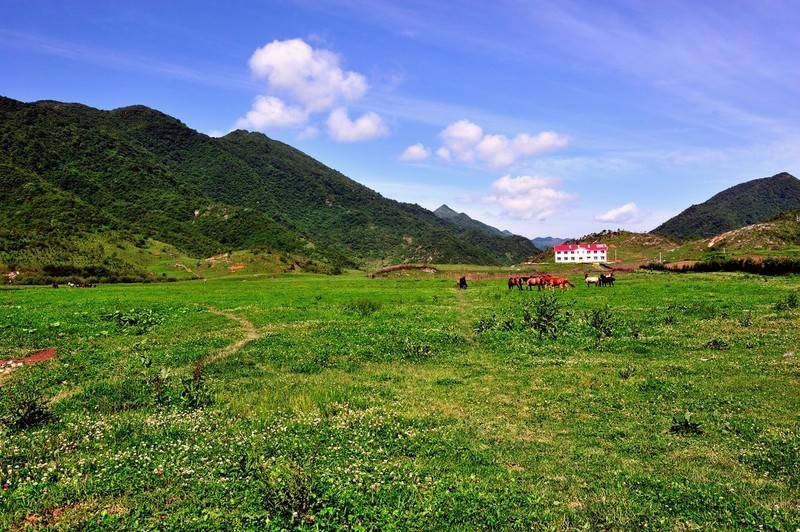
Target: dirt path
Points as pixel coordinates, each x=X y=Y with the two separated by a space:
x=250 y=334
x=7 y=366
x=188 y=269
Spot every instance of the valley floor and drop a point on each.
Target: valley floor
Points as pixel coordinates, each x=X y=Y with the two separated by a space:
x=668 y=401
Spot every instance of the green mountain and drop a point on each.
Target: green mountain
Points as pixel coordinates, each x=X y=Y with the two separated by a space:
x=462 y=222
x=484 y=236
x=547 y=242
x=76 y=182
x=739 y=206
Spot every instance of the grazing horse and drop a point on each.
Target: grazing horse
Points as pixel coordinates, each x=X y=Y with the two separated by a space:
x=517 y=281
x=560 y=282
x=606 y=279
x=537 y=281
x=462 y=283
x=593 y=280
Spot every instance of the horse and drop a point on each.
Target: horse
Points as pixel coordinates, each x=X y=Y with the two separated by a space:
x=606 y=279
x=560 y=282
x=517 y=281
x=593 y=280
x=536 y=280
x=462 y=283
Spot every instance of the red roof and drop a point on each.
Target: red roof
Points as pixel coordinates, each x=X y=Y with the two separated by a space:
x=588 y=247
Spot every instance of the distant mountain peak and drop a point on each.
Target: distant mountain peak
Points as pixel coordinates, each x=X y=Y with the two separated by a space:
x=463 y=222
x=445 y=212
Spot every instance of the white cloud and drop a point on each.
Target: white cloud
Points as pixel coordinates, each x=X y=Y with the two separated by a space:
x=466 y=142
x=311 y=77
x=460 y=139
x=415 y=153
x=366 y=127
x=628 y=213
x=528 y=197
x=269 y=111
x=301 y=83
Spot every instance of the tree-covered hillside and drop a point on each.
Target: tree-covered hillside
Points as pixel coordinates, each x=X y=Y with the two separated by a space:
x=744 y=204
x=70 y=172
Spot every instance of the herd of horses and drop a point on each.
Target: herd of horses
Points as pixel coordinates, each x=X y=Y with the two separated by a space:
x=543 y=281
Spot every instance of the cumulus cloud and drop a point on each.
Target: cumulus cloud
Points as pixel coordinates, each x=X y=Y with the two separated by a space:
x=528 y=197
x=302 y=82
x=628 y=213
x=415 y=153
x=466 y=142
x=270 y=111
x=310 y=77
x=460 y=139
x=366 y=127
x=444 y=154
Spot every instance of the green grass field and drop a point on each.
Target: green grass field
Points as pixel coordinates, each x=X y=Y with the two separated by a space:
x=670 y=401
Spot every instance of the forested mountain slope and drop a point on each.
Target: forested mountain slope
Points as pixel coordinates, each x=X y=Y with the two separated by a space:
x=744 y=204
x=69 y=171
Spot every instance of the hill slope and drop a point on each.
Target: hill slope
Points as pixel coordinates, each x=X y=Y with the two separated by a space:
x=744 y=204
x=777 y=235
x=135 y=173
x=462 y=222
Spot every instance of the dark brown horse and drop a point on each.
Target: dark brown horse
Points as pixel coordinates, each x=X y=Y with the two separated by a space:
x=606 y=280
x=462 y=283
x=517 y=281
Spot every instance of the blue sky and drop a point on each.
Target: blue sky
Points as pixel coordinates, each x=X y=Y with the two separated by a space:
x=544 y=118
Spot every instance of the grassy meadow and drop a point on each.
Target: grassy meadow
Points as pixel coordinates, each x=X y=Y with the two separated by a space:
x=669 y=401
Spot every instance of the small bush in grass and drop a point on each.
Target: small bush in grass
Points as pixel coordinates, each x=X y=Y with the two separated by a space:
x=747 y=319
x=684 y=426
x=601 y=321
x=791 y=302
x=363 y=307
x=138 y=321
x=545 y=315
x=194 y=393
x=22 y=401
x=718 y=344
x=287 y=488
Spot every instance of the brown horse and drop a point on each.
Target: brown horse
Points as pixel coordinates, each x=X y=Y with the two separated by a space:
x=560 y=282
x=539 y=281
x=517 y=281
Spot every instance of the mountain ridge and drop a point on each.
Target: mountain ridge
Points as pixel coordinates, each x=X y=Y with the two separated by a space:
x=149 y=176
x=735 y=207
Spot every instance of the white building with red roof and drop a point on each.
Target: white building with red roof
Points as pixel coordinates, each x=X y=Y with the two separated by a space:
x=581 y=253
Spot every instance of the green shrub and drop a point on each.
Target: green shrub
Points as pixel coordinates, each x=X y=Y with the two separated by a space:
x=684 y=426
x=545 y=315
x=363 y=307
x=23 y=402
x=601 y=321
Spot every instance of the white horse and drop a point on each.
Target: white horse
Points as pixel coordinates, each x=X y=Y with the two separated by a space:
x=593 y=280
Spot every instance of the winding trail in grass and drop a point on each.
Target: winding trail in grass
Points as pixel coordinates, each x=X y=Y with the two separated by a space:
x=250 y=334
